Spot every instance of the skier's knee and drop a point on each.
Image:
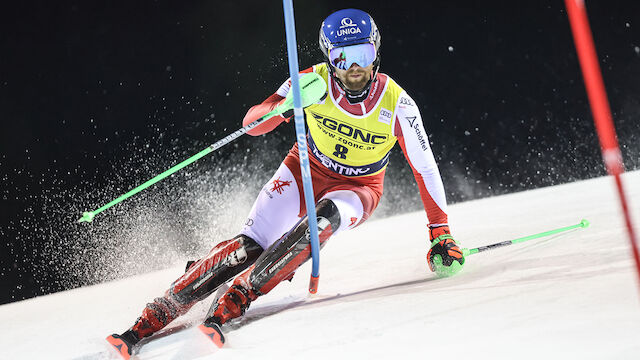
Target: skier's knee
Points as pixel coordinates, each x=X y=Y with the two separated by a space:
x=350 y=206
x=327 y=209
x=282 y=259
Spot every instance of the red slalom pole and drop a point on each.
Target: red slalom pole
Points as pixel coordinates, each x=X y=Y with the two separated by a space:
x=600 y=108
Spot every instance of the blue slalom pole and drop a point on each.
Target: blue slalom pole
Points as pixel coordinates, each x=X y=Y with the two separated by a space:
x=292 y=52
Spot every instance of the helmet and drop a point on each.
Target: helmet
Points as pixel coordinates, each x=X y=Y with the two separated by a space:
x=346 y=28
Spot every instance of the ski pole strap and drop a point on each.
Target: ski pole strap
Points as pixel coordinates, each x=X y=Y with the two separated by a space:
x=466 y=252
x=437 y=240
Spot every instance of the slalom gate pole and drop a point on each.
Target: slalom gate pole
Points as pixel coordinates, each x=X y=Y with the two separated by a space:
x=314 y=88
x=292 y=52
x=600 y=109
x=583 y=224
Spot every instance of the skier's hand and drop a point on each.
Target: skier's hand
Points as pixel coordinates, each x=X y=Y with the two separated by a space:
x=289 y=113
x=445 y=258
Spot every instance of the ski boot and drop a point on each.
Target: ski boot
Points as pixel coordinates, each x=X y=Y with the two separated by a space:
x=231 y=305
x=155 y=316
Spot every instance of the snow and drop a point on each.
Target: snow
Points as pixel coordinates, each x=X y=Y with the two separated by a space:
x=573 y=295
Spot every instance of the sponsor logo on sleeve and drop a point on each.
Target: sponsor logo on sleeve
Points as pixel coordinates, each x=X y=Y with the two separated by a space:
x=404 y=102
x=419 y=133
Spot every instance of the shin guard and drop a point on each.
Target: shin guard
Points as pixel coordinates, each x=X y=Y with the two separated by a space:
x=277 y=263
x=282 y=259
x=224 y=261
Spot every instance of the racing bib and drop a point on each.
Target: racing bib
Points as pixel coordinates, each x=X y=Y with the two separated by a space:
x=352 y=145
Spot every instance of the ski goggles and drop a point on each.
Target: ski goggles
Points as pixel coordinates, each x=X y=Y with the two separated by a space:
x=344 y=57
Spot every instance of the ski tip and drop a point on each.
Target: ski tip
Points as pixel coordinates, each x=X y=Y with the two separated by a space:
x=120 y=345
x=213 y=332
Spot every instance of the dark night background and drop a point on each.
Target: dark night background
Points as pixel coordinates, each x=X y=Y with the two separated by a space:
x=96 y=97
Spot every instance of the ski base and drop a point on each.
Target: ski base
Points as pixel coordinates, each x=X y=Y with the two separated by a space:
x=213 y=332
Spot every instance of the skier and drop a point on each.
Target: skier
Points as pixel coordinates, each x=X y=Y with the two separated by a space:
x=350 y=134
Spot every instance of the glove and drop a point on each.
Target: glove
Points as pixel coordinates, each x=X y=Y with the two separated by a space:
x=445 y=257
x=287 y=115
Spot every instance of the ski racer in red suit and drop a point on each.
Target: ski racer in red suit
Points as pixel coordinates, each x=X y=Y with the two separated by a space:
x=350 y=134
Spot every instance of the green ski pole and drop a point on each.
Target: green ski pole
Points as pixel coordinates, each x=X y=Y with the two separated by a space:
x=313 y=89
x=583 y=224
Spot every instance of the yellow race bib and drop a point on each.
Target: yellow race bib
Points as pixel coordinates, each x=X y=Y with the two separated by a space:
x=352 y=145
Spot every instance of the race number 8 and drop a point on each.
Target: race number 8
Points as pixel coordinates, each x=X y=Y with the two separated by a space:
x=341 y=151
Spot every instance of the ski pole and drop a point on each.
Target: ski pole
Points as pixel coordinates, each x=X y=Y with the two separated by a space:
x=313 y=89
x=583 y=224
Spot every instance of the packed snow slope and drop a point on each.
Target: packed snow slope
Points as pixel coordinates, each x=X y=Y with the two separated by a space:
x=571 y=296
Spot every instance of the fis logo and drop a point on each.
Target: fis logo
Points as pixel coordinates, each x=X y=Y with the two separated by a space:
x=347 y=27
